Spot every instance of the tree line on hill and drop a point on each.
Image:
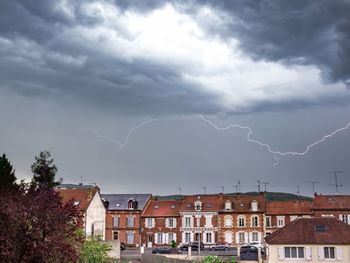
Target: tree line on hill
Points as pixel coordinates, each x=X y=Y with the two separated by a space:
x=35 y=225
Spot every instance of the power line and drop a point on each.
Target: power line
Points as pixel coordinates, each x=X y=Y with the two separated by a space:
x=336 y=180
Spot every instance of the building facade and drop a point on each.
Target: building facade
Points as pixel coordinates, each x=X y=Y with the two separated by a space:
x=199 y=218
x=241 y=219
x=123 y=217
x=280 y=213
x=160 y=223
x=337 y=206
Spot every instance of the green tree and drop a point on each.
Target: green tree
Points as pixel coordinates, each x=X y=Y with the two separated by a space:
x=44 y=171
x=94 y=251
x=7 y=174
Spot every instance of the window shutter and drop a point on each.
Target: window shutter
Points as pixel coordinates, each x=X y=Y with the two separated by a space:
x=308 y=253
x=192 y=221
x=165 y=238
x=237 y=237
x=341 y=217
x=183 y=221
x=349 y=219
x=280 y=253
x=246 y=237
x=153 y=222
x=321 y=253
x=155 y=238
x=166 y=222
x=175 y=221
x=339 y=252
x=174 y=238
x=259 y=236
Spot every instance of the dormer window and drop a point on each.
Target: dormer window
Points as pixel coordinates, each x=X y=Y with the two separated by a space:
x=198 y=205
x=76 y=202
x=132 y=204
x=254 y=206
x=228 y=205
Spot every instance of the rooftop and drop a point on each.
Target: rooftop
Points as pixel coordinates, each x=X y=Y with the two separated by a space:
x=120 y=201
x=322 y=230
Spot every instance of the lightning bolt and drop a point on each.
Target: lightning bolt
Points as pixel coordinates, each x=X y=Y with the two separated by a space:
x=120 y=144
x=275 y=154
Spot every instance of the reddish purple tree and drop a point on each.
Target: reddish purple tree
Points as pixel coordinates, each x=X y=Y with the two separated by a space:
x=35 y=226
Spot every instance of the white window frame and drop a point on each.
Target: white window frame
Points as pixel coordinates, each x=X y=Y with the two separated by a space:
x=255 y=234
x=228 y=221
x=255 y=221
x=130 y=221
x=149 y=222
x=188 y=221
x=268 y=220
x=328 y=254
x=297 y=251
x=281 y=222
x=130 y=237
x=241 y=219
x=187 y=237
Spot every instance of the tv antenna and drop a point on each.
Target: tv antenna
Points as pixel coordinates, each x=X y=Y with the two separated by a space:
x=223 y=189
x=265 y=185
x=236 y=188
x=336 y=185
x=180 y=190
x=258 y=186
x=239 y=186
x=204 y=189
x=313 y=185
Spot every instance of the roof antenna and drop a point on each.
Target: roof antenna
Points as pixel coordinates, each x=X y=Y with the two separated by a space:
x=265 y=184
x=313 y=186
x=336 y=180
x=81 y=180
x=205 y=189
x=258 y=186
x=223 y=189
x=236 y=188
x=180 y=189
x=298 y=191
x=239 y=186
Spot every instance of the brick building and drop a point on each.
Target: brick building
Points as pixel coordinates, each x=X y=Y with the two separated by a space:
x=332 y=205
x=160 y=223
x=280 y=213
x=123 y=217
x=199 y=218
x=241 y=218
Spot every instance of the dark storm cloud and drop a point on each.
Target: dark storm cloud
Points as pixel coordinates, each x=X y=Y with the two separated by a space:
x=310 y=32
x=38 y=59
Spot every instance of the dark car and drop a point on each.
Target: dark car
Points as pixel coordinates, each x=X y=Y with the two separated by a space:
x=122 y=246
x=249 y=253
x=194 y=246
x=220 y=247
x=161 y=250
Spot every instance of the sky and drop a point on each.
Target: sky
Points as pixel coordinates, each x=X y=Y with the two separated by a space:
x=152 y=96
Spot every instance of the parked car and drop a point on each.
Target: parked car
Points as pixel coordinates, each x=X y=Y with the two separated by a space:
x=248 y=253
x=161 y=250
x=256 y=244
x=122 y=246
x=194 y=246
x=220 y=247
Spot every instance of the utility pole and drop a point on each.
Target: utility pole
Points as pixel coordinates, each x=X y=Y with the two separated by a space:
x=336 y=180
x=204 y=189
x=313 y=186
x=265 y=184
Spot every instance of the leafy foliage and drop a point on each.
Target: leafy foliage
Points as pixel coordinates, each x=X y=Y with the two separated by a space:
x=44 y=171
x=94 y=251
x=35 y=226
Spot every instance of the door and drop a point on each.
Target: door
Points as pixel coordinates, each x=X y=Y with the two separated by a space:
x=150 y=240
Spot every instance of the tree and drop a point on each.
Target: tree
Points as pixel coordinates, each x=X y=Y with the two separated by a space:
x=44 y=171
x=94 y=251
x=7 y=174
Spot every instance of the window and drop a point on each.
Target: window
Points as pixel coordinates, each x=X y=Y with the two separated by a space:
x=329 y=252
x=255 y=221
x=130 y=237
x=188 y=237
x=228 y=221
x=115 y=235
x=130 y=221
x=198 y=205
x=208 y=222
x=172 y=206
x=228 y=205
x=320 y=228
x=280 y=221
x=115 y=221
x=255 y=237
x=171 y=237
x=187 y=221
x=294 y=252
x=159 y=238
x=149 y=222
x=241 y=237
x=131 y=204
x=344 y=218
x=208 y=237
x=241 y=222
x=171 y=222
x=268 y=221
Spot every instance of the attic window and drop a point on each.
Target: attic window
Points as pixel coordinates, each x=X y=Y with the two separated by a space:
x=320 y=228
x=172 y=206
x=76 y=202
x=156 y=206
x=209 y=205
x=188 y=205
x=117 y=205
